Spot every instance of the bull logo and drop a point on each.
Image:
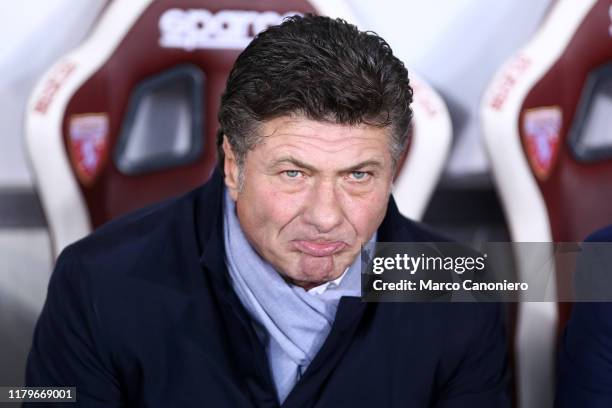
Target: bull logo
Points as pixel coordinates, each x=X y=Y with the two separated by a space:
x=88 y=144
x=541 y=129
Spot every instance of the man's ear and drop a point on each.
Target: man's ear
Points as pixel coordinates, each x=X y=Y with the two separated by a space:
x=231 y=170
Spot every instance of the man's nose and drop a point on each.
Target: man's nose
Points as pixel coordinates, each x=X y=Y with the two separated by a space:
x=324 y=210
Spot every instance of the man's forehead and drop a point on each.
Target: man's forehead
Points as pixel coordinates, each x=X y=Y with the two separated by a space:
x=318 y=145
x=302 y=130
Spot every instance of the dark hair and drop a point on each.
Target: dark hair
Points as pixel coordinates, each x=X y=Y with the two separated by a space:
x=324 y=69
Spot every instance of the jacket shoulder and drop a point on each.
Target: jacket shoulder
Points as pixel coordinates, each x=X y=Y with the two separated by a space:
x=158 y=230
x=149 y=241
x=133 y=232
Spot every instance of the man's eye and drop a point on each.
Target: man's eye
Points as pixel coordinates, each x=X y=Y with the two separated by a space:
x=359 y=175
x=292 y=173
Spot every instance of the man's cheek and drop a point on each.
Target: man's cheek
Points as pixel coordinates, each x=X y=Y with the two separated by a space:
x=272 y=216
x=364 y=215
x=284 y=207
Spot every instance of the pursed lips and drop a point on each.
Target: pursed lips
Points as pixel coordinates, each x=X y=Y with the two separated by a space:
x=317 y=248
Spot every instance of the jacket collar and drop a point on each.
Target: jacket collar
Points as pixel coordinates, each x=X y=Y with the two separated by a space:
x=209 y=222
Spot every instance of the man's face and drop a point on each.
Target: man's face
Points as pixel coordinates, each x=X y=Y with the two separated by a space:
x=313 y=193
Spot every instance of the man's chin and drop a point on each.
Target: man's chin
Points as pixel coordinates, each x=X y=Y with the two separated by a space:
x=308 y=283
x=311 y=273
x=317 y=267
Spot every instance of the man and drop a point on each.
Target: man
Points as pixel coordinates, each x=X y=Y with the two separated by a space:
x=245 y=292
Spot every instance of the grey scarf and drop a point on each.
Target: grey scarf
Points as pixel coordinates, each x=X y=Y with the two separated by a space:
x=291 y=323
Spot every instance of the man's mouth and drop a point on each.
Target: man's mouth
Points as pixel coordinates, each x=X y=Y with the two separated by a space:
x=315 y=248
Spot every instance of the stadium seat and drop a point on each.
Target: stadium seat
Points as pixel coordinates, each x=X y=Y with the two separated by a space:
x=130 y=116
x=546 y=126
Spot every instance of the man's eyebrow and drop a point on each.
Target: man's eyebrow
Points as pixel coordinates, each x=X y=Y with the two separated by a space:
x=366 y=163
x=298 y=163
x=292 y=160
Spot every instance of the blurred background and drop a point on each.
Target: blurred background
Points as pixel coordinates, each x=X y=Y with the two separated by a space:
x=106 y=106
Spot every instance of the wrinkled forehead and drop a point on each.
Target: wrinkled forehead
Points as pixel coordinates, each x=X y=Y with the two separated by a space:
x=322 y=143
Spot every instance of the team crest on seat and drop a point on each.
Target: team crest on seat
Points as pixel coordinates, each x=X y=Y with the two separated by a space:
x=88 y=141
x=540 y=130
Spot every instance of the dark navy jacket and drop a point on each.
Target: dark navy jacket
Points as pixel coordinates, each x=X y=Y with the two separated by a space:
x=585 y=350
x=141 y=313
